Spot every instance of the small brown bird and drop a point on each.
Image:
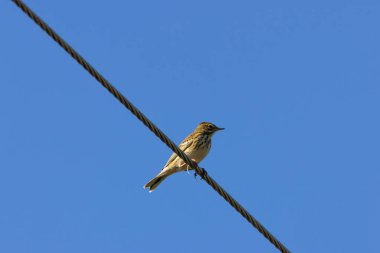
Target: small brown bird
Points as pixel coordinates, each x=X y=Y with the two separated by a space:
x=196 y=146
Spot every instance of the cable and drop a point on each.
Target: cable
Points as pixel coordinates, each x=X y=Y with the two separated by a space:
x=202 y=172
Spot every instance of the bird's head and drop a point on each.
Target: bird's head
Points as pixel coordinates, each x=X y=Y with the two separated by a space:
x=208 y=128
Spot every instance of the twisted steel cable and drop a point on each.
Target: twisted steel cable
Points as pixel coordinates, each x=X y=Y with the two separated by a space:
x=200 y=171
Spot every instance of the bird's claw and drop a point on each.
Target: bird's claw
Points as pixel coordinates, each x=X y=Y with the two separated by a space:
x=203 y=173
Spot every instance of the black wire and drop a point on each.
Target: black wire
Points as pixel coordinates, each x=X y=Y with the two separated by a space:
x=200 y=171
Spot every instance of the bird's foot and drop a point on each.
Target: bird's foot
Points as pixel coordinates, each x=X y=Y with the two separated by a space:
x=203 y=174
x=189 y=168
x=195 y=173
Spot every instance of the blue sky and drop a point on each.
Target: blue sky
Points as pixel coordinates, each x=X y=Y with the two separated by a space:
x=295 y=84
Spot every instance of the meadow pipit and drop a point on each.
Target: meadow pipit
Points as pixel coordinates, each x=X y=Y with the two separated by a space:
x=196 y=146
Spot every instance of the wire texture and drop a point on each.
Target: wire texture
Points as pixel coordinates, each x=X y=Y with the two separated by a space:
x=200 y=171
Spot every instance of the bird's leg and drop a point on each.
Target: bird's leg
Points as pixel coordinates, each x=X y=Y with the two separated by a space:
x=187 y=167
x=195 y=173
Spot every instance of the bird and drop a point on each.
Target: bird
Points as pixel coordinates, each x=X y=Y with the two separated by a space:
x=196 y=146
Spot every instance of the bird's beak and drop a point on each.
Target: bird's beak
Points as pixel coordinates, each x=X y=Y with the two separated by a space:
x=219 y=128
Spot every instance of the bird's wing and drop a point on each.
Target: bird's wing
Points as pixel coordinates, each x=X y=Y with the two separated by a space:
x=185 y=144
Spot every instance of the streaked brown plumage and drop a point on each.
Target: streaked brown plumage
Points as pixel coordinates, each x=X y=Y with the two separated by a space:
x=196 y=146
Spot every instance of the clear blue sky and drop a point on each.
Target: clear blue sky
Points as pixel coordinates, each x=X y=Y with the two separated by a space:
x=296 y=84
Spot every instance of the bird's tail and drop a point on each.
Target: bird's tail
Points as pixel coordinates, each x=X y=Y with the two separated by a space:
x=152 y=184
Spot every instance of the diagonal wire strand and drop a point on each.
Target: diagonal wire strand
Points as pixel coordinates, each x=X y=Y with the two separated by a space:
x=202 y=172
